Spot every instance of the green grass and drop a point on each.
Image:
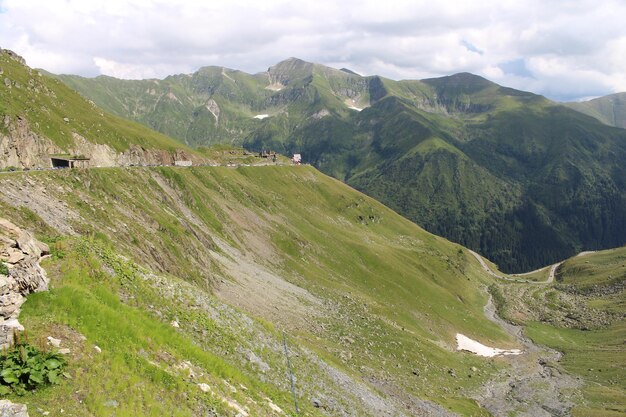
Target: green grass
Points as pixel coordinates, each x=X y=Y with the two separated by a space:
x=601 y=269
x=137 y=368
x=45 y=103
x=400 y=293
x=597 y=355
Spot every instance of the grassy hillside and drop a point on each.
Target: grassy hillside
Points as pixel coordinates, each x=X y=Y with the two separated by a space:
x=582 y=315
x=610 y=110
x=364 y=295
x=522 y=180
x=57 y=112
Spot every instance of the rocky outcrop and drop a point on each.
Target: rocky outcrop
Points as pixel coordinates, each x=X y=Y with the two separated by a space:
x=9 y=409
x=23 y=148
x=20 y=253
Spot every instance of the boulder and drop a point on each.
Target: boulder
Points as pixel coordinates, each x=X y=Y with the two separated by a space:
x=22 y=253
x=9 y=409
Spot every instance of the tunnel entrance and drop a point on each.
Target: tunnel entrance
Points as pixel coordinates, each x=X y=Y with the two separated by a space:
x=60 y=163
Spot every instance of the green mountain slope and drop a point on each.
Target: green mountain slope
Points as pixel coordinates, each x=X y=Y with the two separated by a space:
x=582 y=316
x=370 y=301
x=41 y=116
x=523 y=180
x=610 y=110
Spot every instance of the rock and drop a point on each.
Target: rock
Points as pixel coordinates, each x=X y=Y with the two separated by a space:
x=15 y=256
x=7 y=328
x=255 y=360
x=111 y=403
x=175 y=324
x=416 y=372
x=64 y=351
x=9 y=409
x=66 y=120
x=22 y=253
x=316 y=403
x=97 y=349
x=54 y=342
x=204 y=387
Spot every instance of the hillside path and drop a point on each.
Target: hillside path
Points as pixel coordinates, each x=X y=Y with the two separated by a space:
x=549 y=280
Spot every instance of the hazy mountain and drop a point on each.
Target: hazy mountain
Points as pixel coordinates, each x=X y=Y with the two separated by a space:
x=524 y=180
x=610 y=110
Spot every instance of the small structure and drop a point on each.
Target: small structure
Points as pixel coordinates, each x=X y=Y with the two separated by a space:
x=267 y=154
x=297 y=158
x=183 y=163
x=69 y=161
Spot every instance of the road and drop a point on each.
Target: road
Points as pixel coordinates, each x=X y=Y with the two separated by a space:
x=549 y=280
x=229 y=165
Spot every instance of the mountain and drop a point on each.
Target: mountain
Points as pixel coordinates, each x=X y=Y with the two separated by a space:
x=41 y=117
x=171 y=288
x=610 y=110
x=521 y=179
x=370 y=301
x=277 y=290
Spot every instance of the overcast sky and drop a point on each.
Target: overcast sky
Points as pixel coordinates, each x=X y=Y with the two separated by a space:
x=563 y=49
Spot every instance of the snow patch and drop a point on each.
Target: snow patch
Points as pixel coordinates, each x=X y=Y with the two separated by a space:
x=261 y=116
x=354 y=108
x=465 y=343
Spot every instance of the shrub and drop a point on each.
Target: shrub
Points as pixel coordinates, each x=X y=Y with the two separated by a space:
x=4 y=270
x=23 y=367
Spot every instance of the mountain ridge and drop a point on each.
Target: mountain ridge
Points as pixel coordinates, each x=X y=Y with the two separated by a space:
x=341 y=123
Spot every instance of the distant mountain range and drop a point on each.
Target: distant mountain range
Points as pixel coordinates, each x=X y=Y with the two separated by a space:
x=610 y=110
x=524 y=180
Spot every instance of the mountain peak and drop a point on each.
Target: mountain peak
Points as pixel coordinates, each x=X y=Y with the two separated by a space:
x=461 y=83
x=290 y=70
x=460 y=79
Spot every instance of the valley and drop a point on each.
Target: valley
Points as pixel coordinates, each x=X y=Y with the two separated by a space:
x=519 y=178
x=234 y=256
x=187 y=288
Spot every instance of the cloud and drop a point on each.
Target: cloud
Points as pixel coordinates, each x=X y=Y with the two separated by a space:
x=562 y=48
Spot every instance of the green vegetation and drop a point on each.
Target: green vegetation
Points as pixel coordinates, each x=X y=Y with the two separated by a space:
x=610 y=110
x=123 y=357
x=582 y=316
x=23 y=367
x=4 y=270
x=355 y=285
x=57 y=112
x=524 y=181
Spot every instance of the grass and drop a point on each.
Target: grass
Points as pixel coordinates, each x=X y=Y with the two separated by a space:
x=597 y=355
x=46 y=103
x=398 y=292
x=138 y=369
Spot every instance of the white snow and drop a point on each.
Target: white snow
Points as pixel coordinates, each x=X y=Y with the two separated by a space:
x=261 y=116
x=354 y=108
x=465 y=343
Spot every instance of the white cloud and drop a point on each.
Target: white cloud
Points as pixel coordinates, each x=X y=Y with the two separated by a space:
x=569 y=48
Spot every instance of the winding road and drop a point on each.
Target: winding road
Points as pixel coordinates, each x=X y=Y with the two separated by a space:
x=549 y=280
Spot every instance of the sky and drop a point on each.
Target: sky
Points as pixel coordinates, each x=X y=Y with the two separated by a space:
x=566 y=50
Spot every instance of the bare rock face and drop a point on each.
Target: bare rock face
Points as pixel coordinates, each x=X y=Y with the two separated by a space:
x=20 y=252
x=21 y=147
x=9 y=409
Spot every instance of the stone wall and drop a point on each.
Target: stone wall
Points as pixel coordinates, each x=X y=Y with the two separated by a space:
x=21 y=253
